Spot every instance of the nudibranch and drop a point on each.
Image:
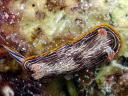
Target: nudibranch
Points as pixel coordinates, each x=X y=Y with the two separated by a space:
x=91 y=48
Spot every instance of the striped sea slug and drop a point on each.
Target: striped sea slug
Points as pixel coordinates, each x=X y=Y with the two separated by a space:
x=90 y=49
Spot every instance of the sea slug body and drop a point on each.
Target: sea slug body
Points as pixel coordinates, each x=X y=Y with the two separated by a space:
x=90 y=49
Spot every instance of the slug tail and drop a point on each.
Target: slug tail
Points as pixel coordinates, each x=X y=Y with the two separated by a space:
x=15 y=55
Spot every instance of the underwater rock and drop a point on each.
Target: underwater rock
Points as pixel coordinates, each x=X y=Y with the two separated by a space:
x=113 y=79
x=11 y=85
